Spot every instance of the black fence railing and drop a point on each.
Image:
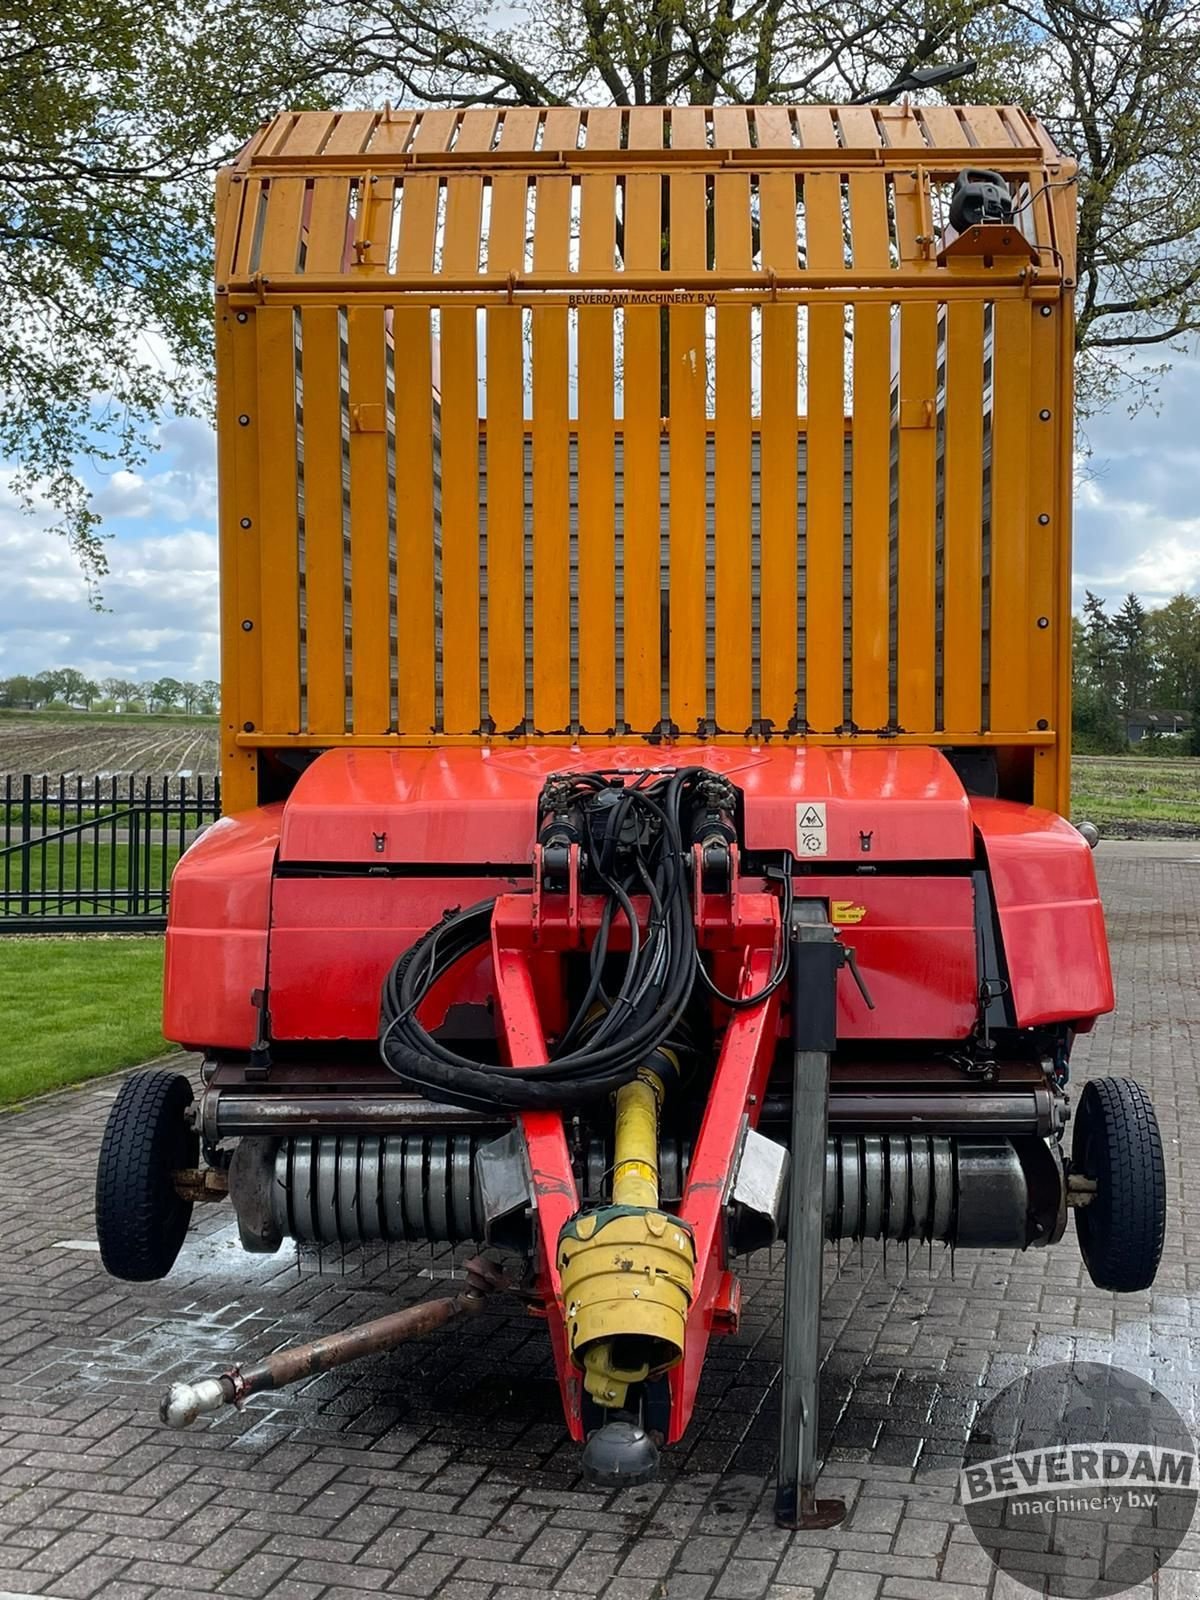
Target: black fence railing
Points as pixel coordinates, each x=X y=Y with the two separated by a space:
x=95 y=854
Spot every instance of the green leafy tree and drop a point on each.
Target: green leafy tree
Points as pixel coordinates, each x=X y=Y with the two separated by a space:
x=120 y=690
x=210 y=695
x=113 y=114
x=72 y=686
x=165 y=694
x=19 y=690
x=1095 y=725
x=49 y=686
x=1174 y=634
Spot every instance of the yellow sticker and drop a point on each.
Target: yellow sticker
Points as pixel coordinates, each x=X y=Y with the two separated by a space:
x=844 y=911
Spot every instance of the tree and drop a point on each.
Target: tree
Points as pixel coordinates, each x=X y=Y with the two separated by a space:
x=165 y=694
x=1131 y=648
x=1096 y=659
x=113 y=114
x=210 y=695
x=1115 y=82
x=120 y=690
x=1174 y=631
x=19 y=691
x=1095 y=726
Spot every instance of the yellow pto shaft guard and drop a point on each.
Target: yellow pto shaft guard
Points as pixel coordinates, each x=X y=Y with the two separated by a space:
x=628 y=1269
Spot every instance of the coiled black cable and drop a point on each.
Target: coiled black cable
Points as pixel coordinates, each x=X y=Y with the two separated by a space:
x=634 y=846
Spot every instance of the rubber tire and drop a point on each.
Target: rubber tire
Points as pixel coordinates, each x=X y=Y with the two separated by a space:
x=140 y=1220
x=1117 y=1142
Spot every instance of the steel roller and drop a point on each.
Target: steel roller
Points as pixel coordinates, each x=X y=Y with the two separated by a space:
x=364 y=1188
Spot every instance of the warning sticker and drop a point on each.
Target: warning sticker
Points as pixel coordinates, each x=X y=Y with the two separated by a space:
x=811 y=838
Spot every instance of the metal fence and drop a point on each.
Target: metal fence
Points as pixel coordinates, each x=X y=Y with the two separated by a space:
x=95 y=854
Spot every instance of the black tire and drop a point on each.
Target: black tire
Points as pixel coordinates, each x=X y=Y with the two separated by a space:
x=140 y=1219
x=1117 y=1143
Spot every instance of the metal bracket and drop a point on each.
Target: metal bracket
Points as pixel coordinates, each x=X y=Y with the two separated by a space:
x=816 y=958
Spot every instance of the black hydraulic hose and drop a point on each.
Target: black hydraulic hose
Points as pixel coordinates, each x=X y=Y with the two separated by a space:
x=641 y=827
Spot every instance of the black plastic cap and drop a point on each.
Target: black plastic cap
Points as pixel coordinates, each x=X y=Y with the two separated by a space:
x=619 y=1455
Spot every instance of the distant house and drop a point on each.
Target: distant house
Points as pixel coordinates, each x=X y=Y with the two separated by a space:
x=1156 y=720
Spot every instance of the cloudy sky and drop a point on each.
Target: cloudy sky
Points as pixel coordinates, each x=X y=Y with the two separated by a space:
x=1137 y=527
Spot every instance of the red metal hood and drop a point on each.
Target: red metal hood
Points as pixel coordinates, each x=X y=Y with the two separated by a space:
x=479 y=806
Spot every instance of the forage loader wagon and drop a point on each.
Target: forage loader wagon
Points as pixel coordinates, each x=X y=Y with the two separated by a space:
x=645 y=543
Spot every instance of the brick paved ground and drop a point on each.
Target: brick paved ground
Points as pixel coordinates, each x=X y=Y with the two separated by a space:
x=442 y=1471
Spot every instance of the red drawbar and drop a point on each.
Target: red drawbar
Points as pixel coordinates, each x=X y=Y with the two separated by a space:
x=738 y=1085
x=1051 y=919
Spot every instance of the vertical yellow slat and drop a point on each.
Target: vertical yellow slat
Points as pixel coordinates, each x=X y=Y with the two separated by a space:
x=917 y=554
x=988 y=126
x=815 y=125
x=329 y=226
x=900 y=127
x=273 y=138
x=370 y=597
x=476 y=131
x=254 y=192
x=1011 y=623
x=460 y=464
x=734 y=692
x=412 y=344
x=689 y=128
x=773 y=125
x=597 y=585
x=280 y=244
x=506 y=465
x=602 y=128
x=279 y=544
x=688 y=399
x=324 y=586
x=560 y=131
x=350 y=132
x=307 y=134
x=1060 y=789
x=962 y=495
x=241 y=661
x=731 y=127
x=825 y=471
x=778 y=610
x=235 y=225
x=860 y=131
x=1042 y=532
x=642 y=391
x=370 y=584
x=871 y=474
x=519 y=130
x=645 y=128
x=435 y=131
x=943 y=126
x=551 y=488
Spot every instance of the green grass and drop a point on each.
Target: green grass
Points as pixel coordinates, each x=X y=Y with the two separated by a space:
x=86 y=867
x=72 y=1009
x=1151 y=793
x=138 y=719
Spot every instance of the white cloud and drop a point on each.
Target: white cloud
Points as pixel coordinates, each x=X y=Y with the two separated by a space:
x=160 y=595
x=183 y=488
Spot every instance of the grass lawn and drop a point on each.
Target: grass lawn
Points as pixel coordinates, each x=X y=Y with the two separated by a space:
x=72 y=1009
x=1143 y=793
x=71 y=876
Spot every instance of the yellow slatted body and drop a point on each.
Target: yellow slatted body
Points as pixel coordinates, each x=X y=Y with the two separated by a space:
x=574 y=425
